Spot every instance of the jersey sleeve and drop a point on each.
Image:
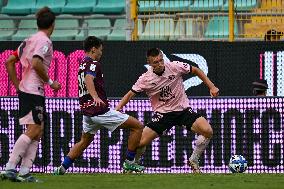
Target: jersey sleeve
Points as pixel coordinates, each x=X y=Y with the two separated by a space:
x=182 y=67
x=140 y=85
x=42 y=48
x=92 y=69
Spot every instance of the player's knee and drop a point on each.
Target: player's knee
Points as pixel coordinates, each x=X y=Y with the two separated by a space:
x=138 y=127
x=208 y=132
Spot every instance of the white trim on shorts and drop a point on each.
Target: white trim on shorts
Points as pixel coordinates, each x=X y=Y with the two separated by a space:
x=27 y=119
x=110 y=120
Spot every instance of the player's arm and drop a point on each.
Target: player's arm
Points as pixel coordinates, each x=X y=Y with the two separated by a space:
x=89 y=82
x=37 y=64
x=125 y=100
x=11 y=69
x=214 y=91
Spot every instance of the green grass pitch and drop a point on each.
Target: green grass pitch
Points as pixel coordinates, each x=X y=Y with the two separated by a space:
x=152 y=181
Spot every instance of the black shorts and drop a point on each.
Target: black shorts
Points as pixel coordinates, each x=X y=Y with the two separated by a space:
x=162 y=122
x=34 y=104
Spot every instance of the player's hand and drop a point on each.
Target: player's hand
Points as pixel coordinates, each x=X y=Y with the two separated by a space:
x=98 y=102
x=214 y=92
x=55 y=86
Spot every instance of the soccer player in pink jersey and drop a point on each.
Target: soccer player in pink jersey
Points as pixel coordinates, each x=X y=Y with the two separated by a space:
x=163 y=84
x=35 y=54
x=96 y=111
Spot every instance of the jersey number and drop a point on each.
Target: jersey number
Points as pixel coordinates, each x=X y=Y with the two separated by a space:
x=82 y=87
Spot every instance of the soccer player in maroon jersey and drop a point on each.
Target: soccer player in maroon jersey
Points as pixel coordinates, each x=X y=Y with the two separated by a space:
x=96 y=111
x=35 y=54
x=163 y=84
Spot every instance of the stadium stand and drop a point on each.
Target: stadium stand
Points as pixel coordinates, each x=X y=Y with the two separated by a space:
x=25 y=28
x=118 y=33
x=218 y=27
x=19 y=7
x=109 y=7
x=183 y=29
x=148 y=6
x=241 y=5
x=206 y=5
x=97 y=27
x=79 y=6
x=7 y=26
x=174 y=6
x=55 y=5
x=258 y=25
x=66 y=28
x=158 y=29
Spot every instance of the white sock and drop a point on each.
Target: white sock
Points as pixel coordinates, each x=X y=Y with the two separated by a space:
x=201 y=144
x=19 y=150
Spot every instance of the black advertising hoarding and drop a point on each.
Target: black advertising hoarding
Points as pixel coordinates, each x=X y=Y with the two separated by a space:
x=231 y=66
x=252 y=127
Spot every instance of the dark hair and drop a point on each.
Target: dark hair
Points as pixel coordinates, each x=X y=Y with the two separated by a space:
x=153 y=52
x=91 y=42
x=45 y=18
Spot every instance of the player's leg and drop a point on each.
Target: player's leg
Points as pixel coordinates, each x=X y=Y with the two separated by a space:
x=159 y=125
x=33 y=131
x=89 y=130
x=75 y=152
x=203 y=128
x=148 y=135
x=136 y=129
x=31 y=108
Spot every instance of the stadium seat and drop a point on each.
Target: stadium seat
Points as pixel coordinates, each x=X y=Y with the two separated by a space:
x=102 y=30
x=148 y=6
x=218 y=27
x=65 y=28
x=183 y=29
x=25 y=29
x=272 y=4
x=174 y=6
x=158 y=29
x=109 y=7
x=19 y=7
x=79 y=6
x=206 y=5
x=118 y=33
x=7 y=27
x=241 y=5
x=55 y=5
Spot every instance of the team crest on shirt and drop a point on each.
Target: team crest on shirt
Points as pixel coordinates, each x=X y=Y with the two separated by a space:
x=39 y=110
x=171 y=77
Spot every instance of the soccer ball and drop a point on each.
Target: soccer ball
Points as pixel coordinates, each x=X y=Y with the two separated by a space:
x=238 y=164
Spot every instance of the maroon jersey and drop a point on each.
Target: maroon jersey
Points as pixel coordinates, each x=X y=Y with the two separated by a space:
x=92 y=67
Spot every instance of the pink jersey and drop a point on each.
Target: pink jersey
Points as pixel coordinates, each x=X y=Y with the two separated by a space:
x=38 y=44
x=166 y=92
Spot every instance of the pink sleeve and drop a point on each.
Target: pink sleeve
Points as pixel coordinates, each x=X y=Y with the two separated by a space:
x=42 y=48
x=139 y=86
x=182 y=67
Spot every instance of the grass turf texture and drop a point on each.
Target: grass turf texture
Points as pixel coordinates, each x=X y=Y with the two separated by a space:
x=149 y=181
